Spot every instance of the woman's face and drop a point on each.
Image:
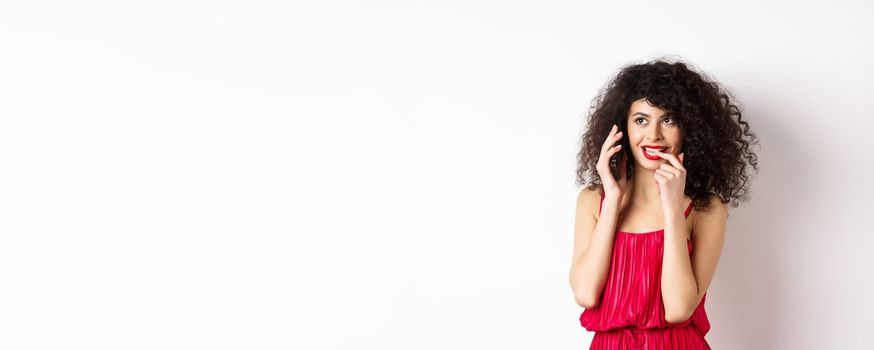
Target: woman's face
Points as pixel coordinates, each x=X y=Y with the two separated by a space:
x=649 y=126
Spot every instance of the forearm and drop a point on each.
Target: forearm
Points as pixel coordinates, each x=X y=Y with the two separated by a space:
x=590 y=269
x=678 y=286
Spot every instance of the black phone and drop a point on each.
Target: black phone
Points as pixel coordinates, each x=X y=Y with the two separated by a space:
x=616 y=157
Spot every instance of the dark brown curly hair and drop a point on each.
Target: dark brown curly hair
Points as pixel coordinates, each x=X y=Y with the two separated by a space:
x=716 y=141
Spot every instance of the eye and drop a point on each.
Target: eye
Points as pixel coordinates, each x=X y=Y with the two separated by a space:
x=670 y=118
x=638 y=119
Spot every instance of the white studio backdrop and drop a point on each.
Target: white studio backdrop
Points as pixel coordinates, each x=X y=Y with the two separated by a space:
x=399 y=175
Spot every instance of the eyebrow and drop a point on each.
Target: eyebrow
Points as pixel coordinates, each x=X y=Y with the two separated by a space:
x=647 y=115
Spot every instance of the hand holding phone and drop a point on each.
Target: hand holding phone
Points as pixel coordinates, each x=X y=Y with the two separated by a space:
x=616 y=161
x=612 y=164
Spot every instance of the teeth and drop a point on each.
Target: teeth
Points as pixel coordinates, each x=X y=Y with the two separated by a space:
x=652 y=150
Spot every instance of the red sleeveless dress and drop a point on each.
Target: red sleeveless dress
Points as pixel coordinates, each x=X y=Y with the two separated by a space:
x=630 y=313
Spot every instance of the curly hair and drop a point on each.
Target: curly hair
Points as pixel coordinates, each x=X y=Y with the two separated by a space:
x=716 y=141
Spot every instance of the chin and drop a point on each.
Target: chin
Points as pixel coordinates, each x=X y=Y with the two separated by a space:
x=647 y=163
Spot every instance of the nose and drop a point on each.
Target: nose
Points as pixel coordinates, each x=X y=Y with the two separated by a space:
x=654 y=133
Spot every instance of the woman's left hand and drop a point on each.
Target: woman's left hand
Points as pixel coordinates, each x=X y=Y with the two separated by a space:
x=671 y=179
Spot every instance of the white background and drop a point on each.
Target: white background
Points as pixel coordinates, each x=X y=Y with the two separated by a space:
x=399 y=175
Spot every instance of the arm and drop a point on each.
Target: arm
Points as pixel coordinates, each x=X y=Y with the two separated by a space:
x=593 y=246
x=685 y=279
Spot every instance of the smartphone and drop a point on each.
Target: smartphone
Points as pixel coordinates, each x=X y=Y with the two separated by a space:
x=616 y=157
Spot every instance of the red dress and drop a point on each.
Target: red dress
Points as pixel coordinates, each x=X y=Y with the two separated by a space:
x=630 y=313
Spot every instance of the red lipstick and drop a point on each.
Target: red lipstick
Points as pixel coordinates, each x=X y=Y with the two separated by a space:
x=653 y=156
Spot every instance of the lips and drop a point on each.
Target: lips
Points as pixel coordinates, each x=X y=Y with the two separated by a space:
x=652 y=156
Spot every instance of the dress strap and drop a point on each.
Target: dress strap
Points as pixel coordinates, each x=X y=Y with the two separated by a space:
x=689 y=208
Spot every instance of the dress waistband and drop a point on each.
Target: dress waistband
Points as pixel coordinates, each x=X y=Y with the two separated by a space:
x=634 y=338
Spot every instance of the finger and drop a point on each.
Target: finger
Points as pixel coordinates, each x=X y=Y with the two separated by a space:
x=671 y=158
x=609 y=152
x=664 y=173
x=613 y=131
x=670 y=169
x=612 y=139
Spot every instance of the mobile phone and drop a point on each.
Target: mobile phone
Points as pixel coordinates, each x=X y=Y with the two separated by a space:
x=616 y=157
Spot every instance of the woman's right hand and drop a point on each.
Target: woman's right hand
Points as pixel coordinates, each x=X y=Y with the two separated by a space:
x=612 y=187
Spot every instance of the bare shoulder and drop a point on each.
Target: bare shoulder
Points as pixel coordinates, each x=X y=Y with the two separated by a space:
x=589 y=200
x=716 y=207
x=715 y=211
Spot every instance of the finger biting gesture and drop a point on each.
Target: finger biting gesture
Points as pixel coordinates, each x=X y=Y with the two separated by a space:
x=671 y=179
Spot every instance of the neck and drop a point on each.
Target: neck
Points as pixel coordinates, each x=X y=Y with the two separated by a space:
x=644 y=188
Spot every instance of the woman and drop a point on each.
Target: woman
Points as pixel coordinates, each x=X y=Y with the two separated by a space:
x=650 y=228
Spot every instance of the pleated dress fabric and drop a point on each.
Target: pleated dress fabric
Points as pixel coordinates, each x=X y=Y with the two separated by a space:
x=630 y=313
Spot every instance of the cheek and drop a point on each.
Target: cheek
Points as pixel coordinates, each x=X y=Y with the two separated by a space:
x=676 y=141
x=634 y=137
